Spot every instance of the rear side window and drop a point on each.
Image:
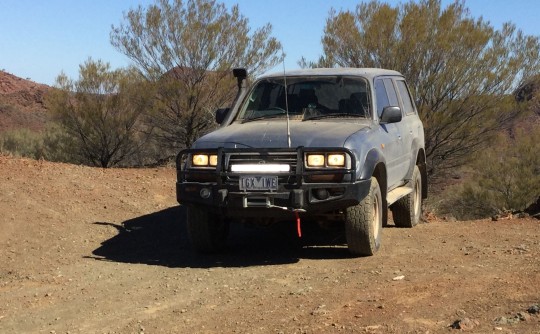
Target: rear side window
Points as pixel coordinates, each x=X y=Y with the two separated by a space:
x=386 y=94
x=405 y=97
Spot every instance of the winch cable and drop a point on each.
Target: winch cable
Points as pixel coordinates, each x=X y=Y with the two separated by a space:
x=296 y=215
x=298 y=228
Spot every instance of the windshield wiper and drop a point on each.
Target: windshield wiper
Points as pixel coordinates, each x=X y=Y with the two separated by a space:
x=333 y=115
x=258 y=118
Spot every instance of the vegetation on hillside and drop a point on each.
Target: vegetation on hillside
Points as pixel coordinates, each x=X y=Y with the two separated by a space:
x=101 y=113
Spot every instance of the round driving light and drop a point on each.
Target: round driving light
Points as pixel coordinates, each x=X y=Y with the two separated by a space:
x=205 y=193
x=321 y=194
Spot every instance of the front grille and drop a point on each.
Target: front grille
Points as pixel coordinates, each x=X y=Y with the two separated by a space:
x=238 y=158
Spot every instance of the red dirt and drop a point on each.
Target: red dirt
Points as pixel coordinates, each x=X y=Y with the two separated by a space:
x=88 y=250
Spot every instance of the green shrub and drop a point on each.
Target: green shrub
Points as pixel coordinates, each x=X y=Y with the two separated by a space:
x=22 y=143
x=505 y=177
x=510 y=170
x=466 y=202
x=58 y=145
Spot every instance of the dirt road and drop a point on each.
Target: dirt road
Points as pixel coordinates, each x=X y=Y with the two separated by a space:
x=86 y=250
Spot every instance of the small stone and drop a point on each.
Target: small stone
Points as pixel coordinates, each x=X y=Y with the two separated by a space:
x=461 y=313
x=535 y=309
x=523 y=316
x=506 y=321
x=398 y=278
x=465 y=324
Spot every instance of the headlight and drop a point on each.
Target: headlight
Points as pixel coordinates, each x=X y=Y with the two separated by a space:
x=322 y=160
x=200 y=160
x=204 y=160
x=336 y=160
x=315 y=160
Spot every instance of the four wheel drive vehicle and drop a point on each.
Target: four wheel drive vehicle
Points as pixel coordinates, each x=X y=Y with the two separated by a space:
x=328 y=145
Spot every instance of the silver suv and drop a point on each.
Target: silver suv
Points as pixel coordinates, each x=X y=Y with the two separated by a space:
x=329 y=145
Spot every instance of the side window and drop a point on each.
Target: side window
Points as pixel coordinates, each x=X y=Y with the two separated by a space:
x=386 y=94
x=382 y=97
x=405 y=97
x=392 y=96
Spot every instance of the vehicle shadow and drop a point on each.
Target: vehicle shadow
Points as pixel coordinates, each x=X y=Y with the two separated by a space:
x=160 y=238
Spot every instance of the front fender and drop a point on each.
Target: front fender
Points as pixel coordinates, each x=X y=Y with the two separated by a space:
x=372 y=159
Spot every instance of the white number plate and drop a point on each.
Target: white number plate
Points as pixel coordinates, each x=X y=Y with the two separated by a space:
x=248 y=183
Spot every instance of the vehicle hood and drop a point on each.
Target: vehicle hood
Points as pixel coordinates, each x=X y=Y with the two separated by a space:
x=273 y=133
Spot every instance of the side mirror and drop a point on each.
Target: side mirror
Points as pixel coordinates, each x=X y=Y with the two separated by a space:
x=221 y=114
x=391 y=115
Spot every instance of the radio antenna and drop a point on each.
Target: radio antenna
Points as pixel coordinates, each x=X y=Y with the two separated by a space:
x=286 y=100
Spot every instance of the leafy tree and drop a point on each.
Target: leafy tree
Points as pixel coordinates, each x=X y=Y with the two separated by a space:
x=100 y=113
x=188 y=49
x=528 y=94
x=460 y=69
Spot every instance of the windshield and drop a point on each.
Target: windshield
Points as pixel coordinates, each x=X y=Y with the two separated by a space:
x=307 y=98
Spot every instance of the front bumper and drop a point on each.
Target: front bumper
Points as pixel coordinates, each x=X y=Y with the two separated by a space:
x=221 y=191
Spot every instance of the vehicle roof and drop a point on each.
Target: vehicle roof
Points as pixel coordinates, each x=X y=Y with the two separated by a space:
x=368 y=73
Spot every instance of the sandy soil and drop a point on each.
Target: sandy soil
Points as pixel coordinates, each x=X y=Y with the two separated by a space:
x=86 y=250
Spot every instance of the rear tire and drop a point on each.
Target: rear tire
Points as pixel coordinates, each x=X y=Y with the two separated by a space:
x=407 y=210
x=363 y=223
x=207 y=232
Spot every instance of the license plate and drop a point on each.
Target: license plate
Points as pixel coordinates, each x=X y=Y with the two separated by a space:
x=248 y=183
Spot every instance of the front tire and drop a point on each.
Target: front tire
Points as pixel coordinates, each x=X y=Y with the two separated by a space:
x=207 y=231
x=363 y=223
x=407 y=210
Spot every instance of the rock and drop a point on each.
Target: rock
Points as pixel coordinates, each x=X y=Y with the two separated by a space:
x=398 y=278
x=507 y=321
x=449 y=218
x=522 y=316
x=535 y=309
x=320 y=310
x=465 y=324
x=523 y=215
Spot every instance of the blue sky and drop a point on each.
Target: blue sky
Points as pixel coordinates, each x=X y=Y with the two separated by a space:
x=39 y=39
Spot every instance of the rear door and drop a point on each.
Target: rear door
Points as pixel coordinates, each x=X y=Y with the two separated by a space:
x=410 y=127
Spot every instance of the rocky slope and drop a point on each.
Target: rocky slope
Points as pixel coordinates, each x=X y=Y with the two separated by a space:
x=21 y=103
